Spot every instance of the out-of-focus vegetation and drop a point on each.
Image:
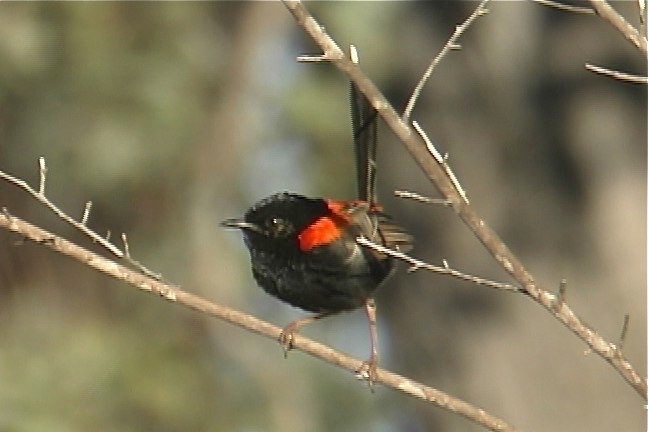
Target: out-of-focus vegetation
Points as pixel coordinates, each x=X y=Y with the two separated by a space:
x=173 y=116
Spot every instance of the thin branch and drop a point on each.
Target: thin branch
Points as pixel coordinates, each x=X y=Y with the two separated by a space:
x=609 y=14
x=621 y=76
x=420 y=198
x=565 y=7
x=450 y=45
x=442 y=160
x=643 y=17
x=81 y=226
x=86 y=213
x=248 y=322
x=42 y=172
x=313 y=58
x=562 y=293
x=624 y=332
x=125 y=243
x=416 y=264
x=439 y=177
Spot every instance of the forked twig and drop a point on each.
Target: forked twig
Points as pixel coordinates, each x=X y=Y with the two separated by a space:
x=451 y=44
x=416 y=264
x=609 y=14
x=80 y=225
x=176 y=295
x=439 y=177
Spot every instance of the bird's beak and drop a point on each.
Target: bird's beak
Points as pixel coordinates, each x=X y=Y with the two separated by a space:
x=241 y=224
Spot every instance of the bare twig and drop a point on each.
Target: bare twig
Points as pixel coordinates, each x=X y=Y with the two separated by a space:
x=624 y=332
x=561 y=297
x=313 y=58
x=126 y=247
x=416 y=264
x=565 y=7
x=643 y=17
x=86 y=213
x=81 y=226
x=420 y=198
x=609 y=14
x=450 y=45
x=621 y=76
x=442 y=160
x=42 y=172
x=176 y=295
x=439 y=177
x=428 y=143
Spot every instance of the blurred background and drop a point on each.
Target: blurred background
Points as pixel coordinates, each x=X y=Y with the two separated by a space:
x=173 y=116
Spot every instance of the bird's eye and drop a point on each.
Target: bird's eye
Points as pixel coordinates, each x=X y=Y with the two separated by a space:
x=279 y=227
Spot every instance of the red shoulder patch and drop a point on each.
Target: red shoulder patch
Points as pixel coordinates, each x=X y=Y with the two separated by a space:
x=325 y=229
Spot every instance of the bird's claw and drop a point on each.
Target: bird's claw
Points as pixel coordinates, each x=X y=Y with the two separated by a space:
x=286 y=338
x=368 y=371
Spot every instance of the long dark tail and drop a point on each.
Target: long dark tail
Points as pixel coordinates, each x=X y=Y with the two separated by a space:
x=364 y=121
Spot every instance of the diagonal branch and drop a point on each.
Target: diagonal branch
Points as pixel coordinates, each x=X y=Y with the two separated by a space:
x=486 y=235
x=248 y=322
x=609 y=14
x=621 y=76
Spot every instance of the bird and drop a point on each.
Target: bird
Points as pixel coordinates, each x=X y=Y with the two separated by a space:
x=304 y=252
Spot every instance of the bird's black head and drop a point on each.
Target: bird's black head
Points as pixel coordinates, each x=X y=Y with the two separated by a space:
x=277 y=221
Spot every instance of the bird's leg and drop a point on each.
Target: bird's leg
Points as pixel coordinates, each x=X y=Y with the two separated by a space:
x=368 y=368
x=288 y=333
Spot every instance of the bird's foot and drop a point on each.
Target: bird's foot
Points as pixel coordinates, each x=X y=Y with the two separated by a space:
x=287 y=336
x=368 y=371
